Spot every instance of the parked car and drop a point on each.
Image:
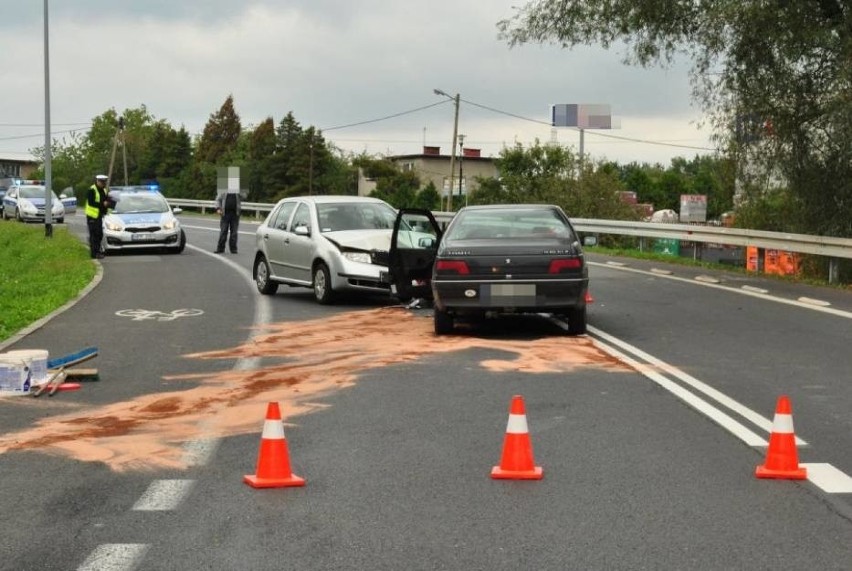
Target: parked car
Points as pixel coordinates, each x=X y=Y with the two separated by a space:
x=69 y=201
x=333 y=244
x=142 y=219
x=25 y=201
x=493 y=260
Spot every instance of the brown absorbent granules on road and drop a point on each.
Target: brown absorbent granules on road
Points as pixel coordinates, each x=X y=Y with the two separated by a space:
x=311 y=359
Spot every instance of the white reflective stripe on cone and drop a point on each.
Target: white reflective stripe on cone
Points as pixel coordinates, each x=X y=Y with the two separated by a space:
x=782 y=424
x=517 y=424
x=273 y=429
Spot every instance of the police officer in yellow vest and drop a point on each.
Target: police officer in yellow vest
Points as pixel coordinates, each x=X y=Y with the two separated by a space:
x=97 y=204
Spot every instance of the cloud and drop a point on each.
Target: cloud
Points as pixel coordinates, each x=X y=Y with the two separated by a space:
x=331 y=63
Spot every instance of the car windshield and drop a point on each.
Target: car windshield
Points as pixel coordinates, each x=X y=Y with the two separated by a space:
x=509 y=224
x=34 y=192
x=355 y=216
x=140 y=203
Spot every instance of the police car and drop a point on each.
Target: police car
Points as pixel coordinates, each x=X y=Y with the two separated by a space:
x=25 y=201
x=142 y=218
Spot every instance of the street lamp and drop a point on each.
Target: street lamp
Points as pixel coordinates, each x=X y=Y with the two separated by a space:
x=453 y=146
x=48 y=183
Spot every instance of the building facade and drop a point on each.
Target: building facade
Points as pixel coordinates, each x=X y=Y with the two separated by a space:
x=17 y=168
x=432 y=166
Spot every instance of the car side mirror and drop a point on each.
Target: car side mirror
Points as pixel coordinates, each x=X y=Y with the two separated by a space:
x=590 y=240
x=426 y=242
x=177 y=209
x=62 y=196
x=302 y=231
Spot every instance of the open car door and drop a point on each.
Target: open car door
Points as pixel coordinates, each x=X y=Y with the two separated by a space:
x=414 y=243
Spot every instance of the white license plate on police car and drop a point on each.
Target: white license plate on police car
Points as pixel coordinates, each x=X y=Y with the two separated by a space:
x=142 y=237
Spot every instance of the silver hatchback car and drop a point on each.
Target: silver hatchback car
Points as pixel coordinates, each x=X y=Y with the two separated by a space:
x=333 y=244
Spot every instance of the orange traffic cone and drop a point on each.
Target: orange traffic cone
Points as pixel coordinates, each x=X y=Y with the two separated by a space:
x=273 y=461
x=782 y=461
x=517 y=460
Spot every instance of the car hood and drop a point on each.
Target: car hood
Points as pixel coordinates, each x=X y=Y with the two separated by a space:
x=140 y=217
x=366 y=240
x=41 y=201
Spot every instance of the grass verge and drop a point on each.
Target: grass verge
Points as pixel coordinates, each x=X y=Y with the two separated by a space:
x=38 y=275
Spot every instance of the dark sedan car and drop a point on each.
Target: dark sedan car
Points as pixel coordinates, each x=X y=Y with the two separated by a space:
x=492 y=260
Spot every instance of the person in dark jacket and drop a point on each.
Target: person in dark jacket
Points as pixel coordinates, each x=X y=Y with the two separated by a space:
x=228 y=206
x=97 y=205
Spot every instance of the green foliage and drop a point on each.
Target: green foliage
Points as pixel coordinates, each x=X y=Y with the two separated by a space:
x=220 y=136
x=552 y=174
x=775 y=78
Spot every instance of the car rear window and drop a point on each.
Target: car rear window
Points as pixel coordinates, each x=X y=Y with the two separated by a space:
x=509 y=224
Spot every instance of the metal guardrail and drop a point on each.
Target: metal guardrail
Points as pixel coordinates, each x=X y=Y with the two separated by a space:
x=831 y=247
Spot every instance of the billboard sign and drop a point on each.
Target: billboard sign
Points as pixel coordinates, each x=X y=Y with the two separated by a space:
x=581 y=115
x=693 y=208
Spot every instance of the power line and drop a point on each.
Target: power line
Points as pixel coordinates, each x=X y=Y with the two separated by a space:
x=37 y=135
x=41 y=124
x=384 y=118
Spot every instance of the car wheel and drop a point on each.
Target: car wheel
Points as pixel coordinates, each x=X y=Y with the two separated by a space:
x=322 y=285
x=576 y=320
x=18 y=215
x=182 y=243
x=262 y=278
x=443 y=322
x=60 y=220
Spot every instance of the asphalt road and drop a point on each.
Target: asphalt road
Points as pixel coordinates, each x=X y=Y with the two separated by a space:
x=648 y=429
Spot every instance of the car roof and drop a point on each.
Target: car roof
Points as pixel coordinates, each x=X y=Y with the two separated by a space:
x=510 y=207
x=334 y=198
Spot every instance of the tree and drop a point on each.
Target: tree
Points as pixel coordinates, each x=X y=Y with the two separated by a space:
x=784 y=65
x=220 y=135
x=552 y=174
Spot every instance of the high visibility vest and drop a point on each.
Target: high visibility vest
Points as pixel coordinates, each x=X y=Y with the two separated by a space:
x=94 y=211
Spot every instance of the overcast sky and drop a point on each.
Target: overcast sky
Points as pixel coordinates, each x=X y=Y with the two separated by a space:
x=332 y=63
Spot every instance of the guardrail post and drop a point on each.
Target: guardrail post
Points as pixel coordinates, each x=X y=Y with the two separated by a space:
x=833 y=270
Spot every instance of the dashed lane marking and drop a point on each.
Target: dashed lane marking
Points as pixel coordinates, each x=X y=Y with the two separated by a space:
x=164 y=495
x=114 y=557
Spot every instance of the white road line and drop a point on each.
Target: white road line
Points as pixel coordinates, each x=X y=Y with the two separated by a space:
x=825 y=476
x=811 y=301
x=754 y=289
x=199 y=452
x=663 y=272
x=721 y=398
x=164 y=495
x=114 y=557
x=741 y=291
x=828 y=478
x=706 y=279
x=691 y=399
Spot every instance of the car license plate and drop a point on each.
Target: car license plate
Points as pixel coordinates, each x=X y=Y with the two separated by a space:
x=512 y=290
x=508 y=295
x=142 y=237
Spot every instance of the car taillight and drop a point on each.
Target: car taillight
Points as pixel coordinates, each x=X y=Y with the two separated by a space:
x=558 y=266
x=456 y=266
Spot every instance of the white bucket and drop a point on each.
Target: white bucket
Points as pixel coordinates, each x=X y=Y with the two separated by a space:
x=14 y=375
x=37 y=359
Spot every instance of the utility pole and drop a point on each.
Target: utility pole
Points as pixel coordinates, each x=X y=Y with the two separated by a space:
x=461 y=168
x=119 y=133
x=453 y=146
